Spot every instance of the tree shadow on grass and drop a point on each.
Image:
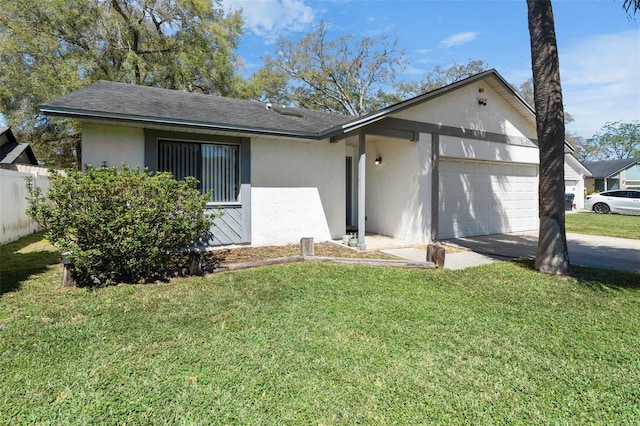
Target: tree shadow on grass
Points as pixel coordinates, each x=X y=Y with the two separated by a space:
x=596 y=279
x=601 y=279
x=21 y=259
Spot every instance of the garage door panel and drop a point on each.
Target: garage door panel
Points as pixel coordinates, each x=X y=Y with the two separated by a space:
x=481 y=197
x=483 y=188
x=483 y=169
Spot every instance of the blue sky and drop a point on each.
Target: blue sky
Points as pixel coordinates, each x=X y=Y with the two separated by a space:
x=599 y=46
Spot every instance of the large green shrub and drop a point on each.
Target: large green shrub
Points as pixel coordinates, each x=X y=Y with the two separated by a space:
x=120 y=223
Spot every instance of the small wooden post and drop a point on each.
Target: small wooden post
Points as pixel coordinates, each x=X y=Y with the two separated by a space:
x=68 y=278
x=195 y=262
x=435 y=254
x=306 y=246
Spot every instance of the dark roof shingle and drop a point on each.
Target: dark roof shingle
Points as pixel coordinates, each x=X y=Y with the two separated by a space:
x=120 y=101
x=606 y=168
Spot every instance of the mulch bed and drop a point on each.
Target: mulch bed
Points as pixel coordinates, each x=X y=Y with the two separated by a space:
x=235 y=258
x=224 y=257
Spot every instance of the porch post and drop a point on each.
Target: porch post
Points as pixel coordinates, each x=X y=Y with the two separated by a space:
x=435 y=185
x=362 y=172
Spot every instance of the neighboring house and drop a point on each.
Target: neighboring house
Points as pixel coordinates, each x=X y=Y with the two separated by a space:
x=13 y=153
x=575 y=174
x=458 y=161
x=613 y=174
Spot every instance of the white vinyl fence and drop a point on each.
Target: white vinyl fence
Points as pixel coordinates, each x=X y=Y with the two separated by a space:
x=13 y=203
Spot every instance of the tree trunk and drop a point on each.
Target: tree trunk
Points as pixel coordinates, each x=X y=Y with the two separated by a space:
x=552 y=256
x=78 y=147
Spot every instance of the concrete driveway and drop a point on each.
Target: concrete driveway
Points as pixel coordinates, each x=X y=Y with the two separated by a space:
x=619 y=254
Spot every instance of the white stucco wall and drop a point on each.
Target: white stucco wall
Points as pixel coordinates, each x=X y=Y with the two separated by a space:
x=491 y=151
x=398 y=191
x=460 y=108
x=297 y=190
x=112 y=144
x=512 y=127
x=298 y=187
x=284 y=215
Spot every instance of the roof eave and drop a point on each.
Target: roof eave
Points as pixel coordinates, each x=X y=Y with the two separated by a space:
x=126 y=118
x=351 y=126
x=6 y=130
x=13 y=155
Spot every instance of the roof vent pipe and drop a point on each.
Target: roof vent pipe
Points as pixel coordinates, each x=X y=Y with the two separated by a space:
x=269 y=106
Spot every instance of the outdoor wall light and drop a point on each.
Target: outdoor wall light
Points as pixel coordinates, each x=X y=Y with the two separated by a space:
x=378 y=160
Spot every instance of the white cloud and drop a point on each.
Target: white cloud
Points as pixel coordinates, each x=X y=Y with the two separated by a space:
x=412 y=71
x=458 y=39
x=601 y=80
x=271 y=18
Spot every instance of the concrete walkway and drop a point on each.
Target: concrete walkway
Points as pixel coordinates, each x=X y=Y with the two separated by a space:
x=619 y=254
x=467 y=259
x=406 y=250
x=459 y=260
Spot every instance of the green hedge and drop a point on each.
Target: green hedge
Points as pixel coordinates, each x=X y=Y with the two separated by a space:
x=120 y=223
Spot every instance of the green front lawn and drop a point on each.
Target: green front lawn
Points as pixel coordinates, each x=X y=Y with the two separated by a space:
x=609 y=225
x=320 y=344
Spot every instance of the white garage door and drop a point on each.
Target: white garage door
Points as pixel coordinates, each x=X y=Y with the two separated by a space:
x=482 y=197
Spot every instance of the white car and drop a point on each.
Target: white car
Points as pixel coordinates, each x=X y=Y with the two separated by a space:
x=621 y=201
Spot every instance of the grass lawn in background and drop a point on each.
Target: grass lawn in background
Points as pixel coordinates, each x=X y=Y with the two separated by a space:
x=322 y=344
x=29 y=259
x=608 y=225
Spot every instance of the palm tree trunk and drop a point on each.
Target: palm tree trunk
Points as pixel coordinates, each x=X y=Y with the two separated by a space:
x=552 y=256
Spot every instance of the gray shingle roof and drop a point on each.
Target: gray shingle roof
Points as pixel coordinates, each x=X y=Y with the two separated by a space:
x=119 y=101
x=145 y=105
x=606 y=168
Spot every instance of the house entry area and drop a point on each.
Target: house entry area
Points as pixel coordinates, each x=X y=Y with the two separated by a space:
x=395 y=197
x=468 y=197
